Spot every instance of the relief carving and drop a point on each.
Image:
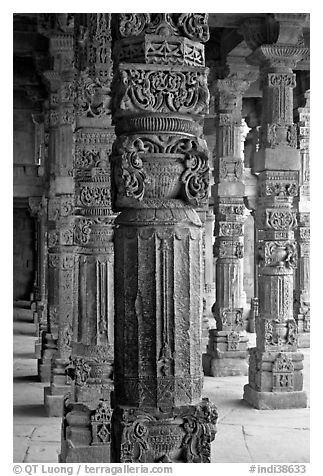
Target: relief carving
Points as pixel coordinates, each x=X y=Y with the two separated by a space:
x=163 y=91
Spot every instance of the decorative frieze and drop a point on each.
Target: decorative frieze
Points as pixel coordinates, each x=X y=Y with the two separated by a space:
x=166 y=90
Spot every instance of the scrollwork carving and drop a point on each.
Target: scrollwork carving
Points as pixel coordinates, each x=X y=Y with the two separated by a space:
x=278 y=253
x=196 y=178
x=195 y=26
x=132 y=24
x=169 y=91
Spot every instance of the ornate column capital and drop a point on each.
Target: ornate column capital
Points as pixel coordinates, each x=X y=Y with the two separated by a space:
x=277 y=28
x=277 y=56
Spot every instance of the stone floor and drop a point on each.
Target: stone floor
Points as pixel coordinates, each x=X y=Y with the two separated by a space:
x=244 y=434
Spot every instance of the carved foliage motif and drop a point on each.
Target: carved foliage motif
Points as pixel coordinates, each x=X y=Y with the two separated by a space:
x=230 y=249
x=227 y=228
x=132 y=24
x=92 y=100
x=280 y=219
x=196 y=179
x=95 y=196
x=279 y=80
x=229 y=169
x=138 y=174
x=172 y=91
x=79 y=370
x=61 y=261
x=279 y=335
x=146 y=437
x=82 y=231
x=59 y=207
x=192 y=25
x=278 y=253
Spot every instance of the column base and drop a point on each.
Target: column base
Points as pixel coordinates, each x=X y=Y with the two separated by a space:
x=274 y=400
x=227 y=354
x=54 y=400
x=303 y=340
x=85 y=454
x=226 y=366
x=44 y=371
x=86 y=429
x=178 y=435
x=38 y=349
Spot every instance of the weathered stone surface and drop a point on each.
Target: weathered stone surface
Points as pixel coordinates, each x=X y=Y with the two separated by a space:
x=274 y=400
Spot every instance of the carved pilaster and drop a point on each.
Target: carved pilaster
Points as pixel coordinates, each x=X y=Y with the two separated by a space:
x=88 y=407
x=160 y=174
x=302 y=276
x=275 y=377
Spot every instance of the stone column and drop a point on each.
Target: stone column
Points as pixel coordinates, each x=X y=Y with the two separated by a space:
x=275 y=367
x=227 y=349
x=86 y=432
x=302 y=281
x=209 y=278
x=38 y=206
x=61 y=256
x=251 y=145
x=160 y=174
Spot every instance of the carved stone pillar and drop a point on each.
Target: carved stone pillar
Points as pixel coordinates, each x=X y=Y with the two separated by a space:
x=251 y=146
x=275 y=367
x=61 y=256
x=160 y=174
x=302 y=276
x=209 y=278
x=86 y=432
x=227 y=349
x=38 y=206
